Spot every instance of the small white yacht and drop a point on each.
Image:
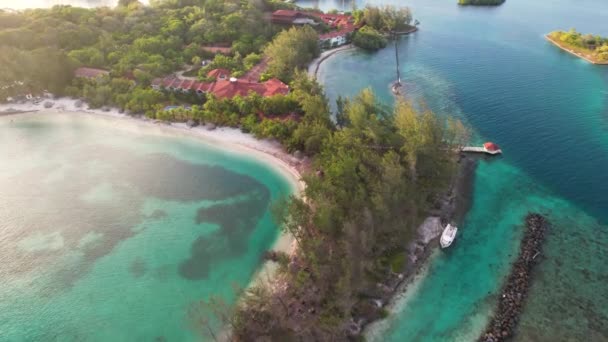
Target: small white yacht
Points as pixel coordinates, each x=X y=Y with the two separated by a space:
x=448 y=236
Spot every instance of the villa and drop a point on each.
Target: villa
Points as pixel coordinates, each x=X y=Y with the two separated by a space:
x=289 y=17
x=222 y=87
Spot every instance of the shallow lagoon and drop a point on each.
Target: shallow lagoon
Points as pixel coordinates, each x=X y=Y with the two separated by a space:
x=111 y=231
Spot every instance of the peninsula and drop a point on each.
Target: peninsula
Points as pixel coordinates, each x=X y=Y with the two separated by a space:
x=593 y=49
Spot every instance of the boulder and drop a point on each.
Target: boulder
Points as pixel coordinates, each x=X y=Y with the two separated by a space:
x=430 y=229
x=48 y=104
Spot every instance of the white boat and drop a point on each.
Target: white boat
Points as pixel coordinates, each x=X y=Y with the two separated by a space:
x=448 y=236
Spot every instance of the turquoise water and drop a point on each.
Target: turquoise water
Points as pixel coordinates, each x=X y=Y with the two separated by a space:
x=548 y=111
x=113 y=232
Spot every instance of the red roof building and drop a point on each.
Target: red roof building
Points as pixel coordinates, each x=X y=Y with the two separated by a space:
x=274 y=87
x=223 y=88
x=90 y=72
x=219 y=74
x=286 y=16
x=490 y=146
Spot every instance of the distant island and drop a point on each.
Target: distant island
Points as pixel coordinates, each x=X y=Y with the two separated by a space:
x=480 y=2
x=593 y=49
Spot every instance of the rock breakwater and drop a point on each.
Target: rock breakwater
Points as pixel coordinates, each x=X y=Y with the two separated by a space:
x=513 y=294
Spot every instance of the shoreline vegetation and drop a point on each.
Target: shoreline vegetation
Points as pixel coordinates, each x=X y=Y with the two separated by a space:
x=379 y=24
x=513 y=294
x=374 y=174
x=593 y=49
x=480 y=2
x=334 y=294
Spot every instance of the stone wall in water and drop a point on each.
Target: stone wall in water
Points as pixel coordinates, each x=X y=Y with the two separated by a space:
x=513 y=295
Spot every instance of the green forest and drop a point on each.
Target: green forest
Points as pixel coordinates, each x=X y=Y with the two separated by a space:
x=376 y=175
x=593 y=46
x=380 y=23
x=41 y=47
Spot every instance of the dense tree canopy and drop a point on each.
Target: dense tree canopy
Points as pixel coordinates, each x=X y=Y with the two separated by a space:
x=155 y=39
x=589 y=44
x=292 y=49
x=369 y=39
x=386 y=18
x=376 y=177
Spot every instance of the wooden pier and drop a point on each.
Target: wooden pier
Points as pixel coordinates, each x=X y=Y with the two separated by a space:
x=488 y=148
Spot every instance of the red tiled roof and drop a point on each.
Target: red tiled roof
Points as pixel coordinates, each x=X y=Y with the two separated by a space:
x=90 y=72
x=202 y=87
x=187 y=84
x=219 y=73
x=490 y=146
x=228 y=88
x=274 y=86
x=287 y=13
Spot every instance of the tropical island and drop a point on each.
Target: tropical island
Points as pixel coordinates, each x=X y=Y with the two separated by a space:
x=592 y=48
x=374 y=173
x=380 y=23
x=480 y=2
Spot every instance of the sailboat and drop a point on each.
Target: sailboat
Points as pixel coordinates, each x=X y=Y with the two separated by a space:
x=396 y=88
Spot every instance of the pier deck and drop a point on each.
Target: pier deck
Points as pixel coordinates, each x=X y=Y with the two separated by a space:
x=474 y=149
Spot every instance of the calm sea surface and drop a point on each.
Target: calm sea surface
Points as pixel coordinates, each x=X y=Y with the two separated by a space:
x=113 y=232
x=548 y=111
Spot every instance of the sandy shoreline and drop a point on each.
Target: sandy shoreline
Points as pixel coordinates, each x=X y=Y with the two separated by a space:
x=270 y=153
x=313 y=67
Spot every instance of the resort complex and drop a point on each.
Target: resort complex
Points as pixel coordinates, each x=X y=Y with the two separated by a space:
x=223 y=86
x=340 y=27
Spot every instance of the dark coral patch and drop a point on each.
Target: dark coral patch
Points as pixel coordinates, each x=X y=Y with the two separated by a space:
x=231 y=239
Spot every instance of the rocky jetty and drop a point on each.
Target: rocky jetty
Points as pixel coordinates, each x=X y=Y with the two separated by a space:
x=514 y=292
